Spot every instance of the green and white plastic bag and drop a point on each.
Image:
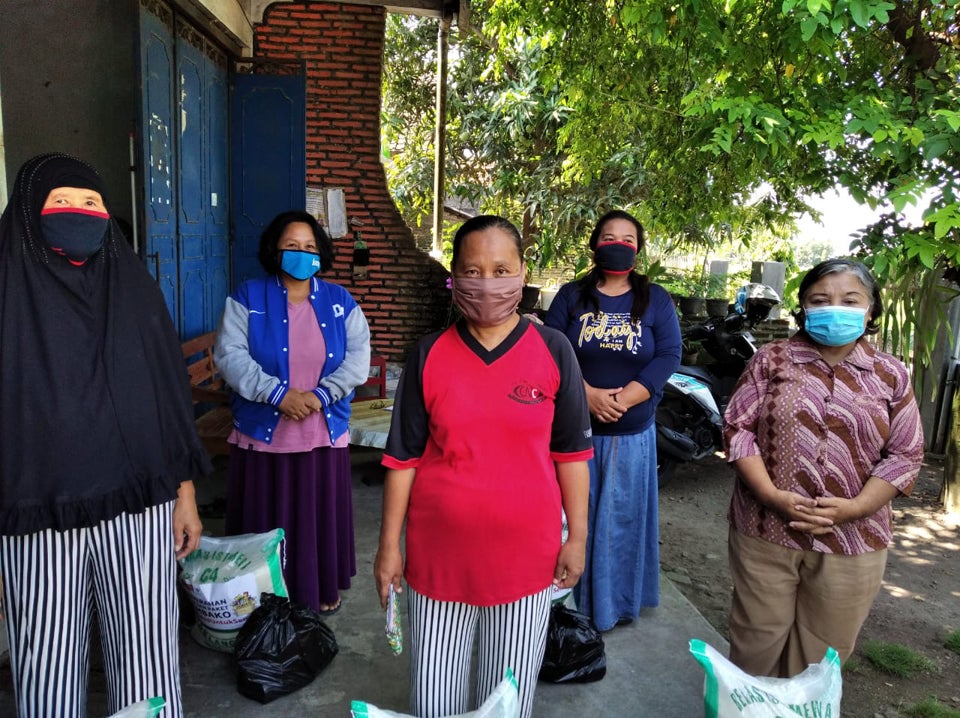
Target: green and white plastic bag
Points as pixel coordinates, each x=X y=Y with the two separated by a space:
x=225 y=577
x=728 y=692
x=144 y=709
x=504 y=702
x=392 y=627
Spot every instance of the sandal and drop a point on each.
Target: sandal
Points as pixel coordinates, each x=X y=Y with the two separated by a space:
x=332 y=610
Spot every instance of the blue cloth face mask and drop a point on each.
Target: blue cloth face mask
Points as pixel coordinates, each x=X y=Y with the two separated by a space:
x=299 y=265
x=834 y=326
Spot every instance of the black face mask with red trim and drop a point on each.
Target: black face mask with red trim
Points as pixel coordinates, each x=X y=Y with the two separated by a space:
x=615 y=257
x=77 y=234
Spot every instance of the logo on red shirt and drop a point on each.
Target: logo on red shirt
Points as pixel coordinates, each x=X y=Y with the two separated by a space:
x=527 y=394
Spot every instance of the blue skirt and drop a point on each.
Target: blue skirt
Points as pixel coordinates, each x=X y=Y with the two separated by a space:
x=622 y=573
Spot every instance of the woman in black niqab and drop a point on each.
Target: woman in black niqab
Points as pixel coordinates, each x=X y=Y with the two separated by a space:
x=96 y=420
x=95 y=410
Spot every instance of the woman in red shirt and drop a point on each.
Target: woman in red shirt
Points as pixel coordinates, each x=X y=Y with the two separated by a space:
x=489 y=439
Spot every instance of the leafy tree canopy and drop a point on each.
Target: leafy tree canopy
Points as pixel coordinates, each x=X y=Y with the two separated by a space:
x=707 y=118
x=696 y=114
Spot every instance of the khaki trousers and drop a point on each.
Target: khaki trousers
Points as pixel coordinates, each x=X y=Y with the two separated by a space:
x=788 y=606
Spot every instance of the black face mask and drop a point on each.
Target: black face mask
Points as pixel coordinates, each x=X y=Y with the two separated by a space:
x=76 y=234
x=615 y=257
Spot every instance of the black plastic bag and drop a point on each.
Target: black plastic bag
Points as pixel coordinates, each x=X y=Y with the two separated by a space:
x=575 y=652
x=281 y=648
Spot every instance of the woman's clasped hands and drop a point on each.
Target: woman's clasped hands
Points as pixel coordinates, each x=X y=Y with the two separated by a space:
x=604 y=405
x=299 y=404
x=799 y=510
x=815 y=516
x=827 y=512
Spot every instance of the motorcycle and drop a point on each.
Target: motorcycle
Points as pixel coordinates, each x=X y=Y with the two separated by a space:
x=689 y=418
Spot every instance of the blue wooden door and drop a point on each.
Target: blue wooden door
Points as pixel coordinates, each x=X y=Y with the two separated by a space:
x=184 y=145
x=158 y=152
x=218 y=210
x=268 y=153
x=202 y=180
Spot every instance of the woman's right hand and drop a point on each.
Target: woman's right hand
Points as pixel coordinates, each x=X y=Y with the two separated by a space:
x=791 y=505
x=298 y=404
x=603 y=403
x=387 y=570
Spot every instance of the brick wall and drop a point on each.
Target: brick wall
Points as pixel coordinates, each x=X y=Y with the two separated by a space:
x=774 y=329
x=404 y=295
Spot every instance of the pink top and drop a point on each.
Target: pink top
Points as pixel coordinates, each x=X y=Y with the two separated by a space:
x=823 y=431
x=308 y=352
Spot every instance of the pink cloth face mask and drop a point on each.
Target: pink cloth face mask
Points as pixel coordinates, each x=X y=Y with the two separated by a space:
x=487 y=302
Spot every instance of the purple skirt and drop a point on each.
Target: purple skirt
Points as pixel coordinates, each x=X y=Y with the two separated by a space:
x=309 y=496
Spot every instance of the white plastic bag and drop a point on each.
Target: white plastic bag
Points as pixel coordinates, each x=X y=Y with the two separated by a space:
x=225 y=577
x=728 y=692
x=144 y=709
x=504 y=702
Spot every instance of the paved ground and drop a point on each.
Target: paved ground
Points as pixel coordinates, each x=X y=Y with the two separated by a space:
x=649 y=670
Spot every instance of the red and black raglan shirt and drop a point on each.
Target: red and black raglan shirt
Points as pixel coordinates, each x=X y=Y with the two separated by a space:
x=483 y=429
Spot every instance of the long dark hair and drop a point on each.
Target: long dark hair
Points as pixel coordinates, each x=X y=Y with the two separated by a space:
x=848 y=266
x=639 y=283
x=269 y=255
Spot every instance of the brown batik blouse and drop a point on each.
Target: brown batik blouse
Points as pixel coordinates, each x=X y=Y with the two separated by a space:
x=823 y=431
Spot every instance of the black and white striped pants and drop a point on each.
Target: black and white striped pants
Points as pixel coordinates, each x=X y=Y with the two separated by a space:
x=125 y=570
x=511 y=635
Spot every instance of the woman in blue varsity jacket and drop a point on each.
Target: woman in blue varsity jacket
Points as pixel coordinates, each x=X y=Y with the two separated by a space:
x=292 y=348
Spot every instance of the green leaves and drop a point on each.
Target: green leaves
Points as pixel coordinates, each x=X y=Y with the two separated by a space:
x=833 y=18
x=684 y=112
x=919 y=247
x=863 y=12
x=946 y=221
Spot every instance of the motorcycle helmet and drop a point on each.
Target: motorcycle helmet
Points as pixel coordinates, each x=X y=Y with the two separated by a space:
x=754 y=301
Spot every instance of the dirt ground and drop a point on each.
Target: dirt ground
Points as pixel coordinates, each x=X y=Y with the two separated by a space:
x=918 y=605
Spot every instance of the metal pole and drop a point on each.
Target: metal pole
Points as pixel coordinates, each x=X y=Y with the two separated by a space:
x=440 y=136
x=133 y=198
x=3 y=163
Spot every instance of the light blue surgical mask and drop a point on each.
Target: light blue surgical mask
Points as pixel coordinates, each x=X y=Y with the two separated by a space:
x=298 y=264
x=834 y=326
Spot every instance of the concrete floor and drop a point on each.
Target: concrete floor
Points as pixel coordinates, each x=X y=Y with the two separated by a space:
x=649 y=669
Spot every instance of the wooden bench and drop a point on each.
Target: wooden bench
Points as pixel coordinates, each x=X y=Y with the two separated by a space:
x=211 y=399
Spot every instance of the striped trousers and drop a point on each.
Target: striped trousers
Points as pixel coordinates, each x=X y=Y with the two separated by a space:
x=442 y=634
x=53 y=581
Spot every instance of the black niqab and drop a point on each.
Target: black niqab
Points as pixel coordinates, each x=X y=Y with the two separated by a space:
x=95 y=410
